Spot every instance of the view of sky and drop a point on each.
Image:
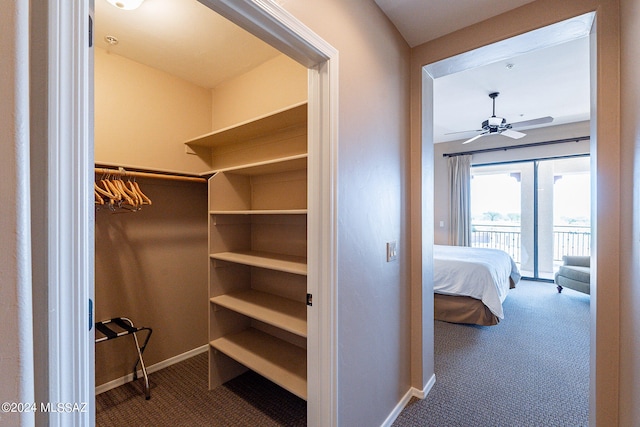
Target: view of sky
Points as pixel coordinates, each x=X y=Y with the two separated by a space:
x=572 y=197
x=500 y=193
x=494 y=193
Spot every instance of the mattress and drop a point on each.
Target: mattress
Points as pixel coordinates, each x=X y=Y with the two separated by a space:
x=480 y=273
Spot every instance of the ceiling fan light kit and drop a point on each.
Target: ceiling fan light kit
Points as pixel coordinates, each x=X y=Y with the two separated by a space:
x=499 y=125
x=493 y=123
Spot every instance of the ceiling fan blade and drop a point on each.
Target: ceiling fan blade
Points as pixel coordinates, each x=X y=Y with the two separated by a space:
x=533 y=122
x=465 y=131
x=474 y=138
x=513 y=134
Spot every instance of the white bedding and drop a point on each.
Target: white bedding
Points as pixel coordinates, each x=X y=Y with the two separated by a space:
x=475 y=272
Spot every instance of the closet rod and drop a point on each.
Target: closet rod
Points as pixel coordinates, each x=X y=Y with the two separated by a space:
x=534 y=144
x=136 y=174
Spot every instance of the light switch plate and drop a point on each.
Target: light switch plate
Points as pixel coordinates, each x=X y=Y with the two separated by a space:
x=392 y=251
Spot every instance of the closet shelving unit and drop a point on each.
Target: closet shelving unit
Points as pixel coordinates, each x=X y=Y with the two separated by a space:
x=258 y=248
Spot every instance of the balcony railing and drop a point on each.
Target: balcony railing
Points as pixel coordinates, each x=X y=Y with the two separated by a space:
x=503 y=237
x=567 y=239
x=571 y=240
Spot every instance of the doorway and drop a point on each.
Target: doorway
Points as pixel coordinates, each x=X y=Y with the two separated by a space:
x=498 y=51
x=70 y=349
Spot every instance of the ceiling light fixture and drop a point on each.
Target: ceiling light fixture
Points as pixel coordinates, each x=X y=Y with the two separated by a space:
x=111 y=40
x=126 y=4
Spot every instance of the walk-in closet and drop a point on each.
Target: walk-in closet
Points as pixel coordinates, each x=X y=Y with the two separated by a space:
x=201 y=130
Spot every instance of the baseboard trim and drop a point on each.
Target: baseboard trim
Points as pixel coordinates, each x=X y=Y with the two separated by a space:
x=421 y=394
x=412 y=392
x=153 y=368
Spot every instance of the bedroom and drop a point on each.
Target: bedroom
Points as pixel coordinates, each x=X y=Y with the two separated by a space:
x=545 y=95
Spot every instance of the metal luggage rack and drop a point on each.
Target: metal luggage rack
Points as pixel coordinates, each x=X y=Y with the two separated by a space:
x=120 y=327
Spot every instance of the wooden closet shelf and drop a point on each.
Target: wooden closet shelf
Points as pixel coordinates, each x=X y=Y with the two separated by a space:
x=266 y=167
x=279 y=262
x=277 y=311
x=258 y=195
x=279 y=361
x=268 y=124
x=261 y=212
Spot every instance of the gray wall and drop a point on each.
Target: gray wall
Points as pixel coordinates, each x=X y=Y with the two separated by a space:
x=373 y=295
x=16 y=352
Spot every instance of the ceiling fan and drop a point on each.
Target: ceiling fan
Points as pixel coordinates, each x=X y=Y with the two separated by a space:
x=499 y=125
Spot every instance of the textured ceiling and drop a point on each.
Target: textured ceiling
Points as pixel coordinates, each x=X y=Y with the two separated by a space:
x=420 y=21
x=181 y=37
x=548 y=82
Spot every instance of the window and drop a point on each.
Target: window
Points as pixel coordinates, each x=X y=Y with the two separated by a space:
x=537 y=211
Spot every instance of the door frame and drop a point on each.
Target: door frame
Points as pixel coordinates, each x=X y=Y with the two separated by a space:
x=70 y=250
x=69 y=212
x=605 y=214
x=275 y=26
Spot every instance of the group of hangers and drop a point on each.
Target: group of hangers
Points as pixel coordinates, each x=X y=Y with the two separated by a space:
x=114 y=192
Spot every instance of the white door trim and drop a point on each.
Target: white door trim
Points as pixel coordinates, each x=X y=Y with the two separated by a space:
x=274 y=25
x=70 y=213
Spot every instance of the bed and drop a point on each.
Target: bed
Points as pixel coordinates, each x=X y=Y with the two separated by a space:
x=470 y=284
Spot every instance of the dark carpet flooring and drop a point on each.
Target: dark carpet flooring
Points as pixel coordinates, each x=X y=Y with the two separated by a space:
x=179 y=397
x=532 y=369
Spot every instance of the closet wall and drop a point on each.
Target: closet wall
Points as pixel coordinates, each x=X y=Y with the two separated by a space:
x=152 y=265
x=272 y=86
x=142 y=115
x=149 y=264
x=149 y=267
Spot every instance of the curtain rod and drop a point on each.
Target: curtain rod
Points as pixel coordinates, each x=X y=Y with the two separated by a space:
x=139 y=174
x=533 y=144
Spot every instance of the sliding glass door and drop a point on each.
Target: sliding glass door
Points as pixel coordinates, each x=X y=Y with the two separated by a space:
x=496 y=208
x=571 y=208
x=536 y=210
